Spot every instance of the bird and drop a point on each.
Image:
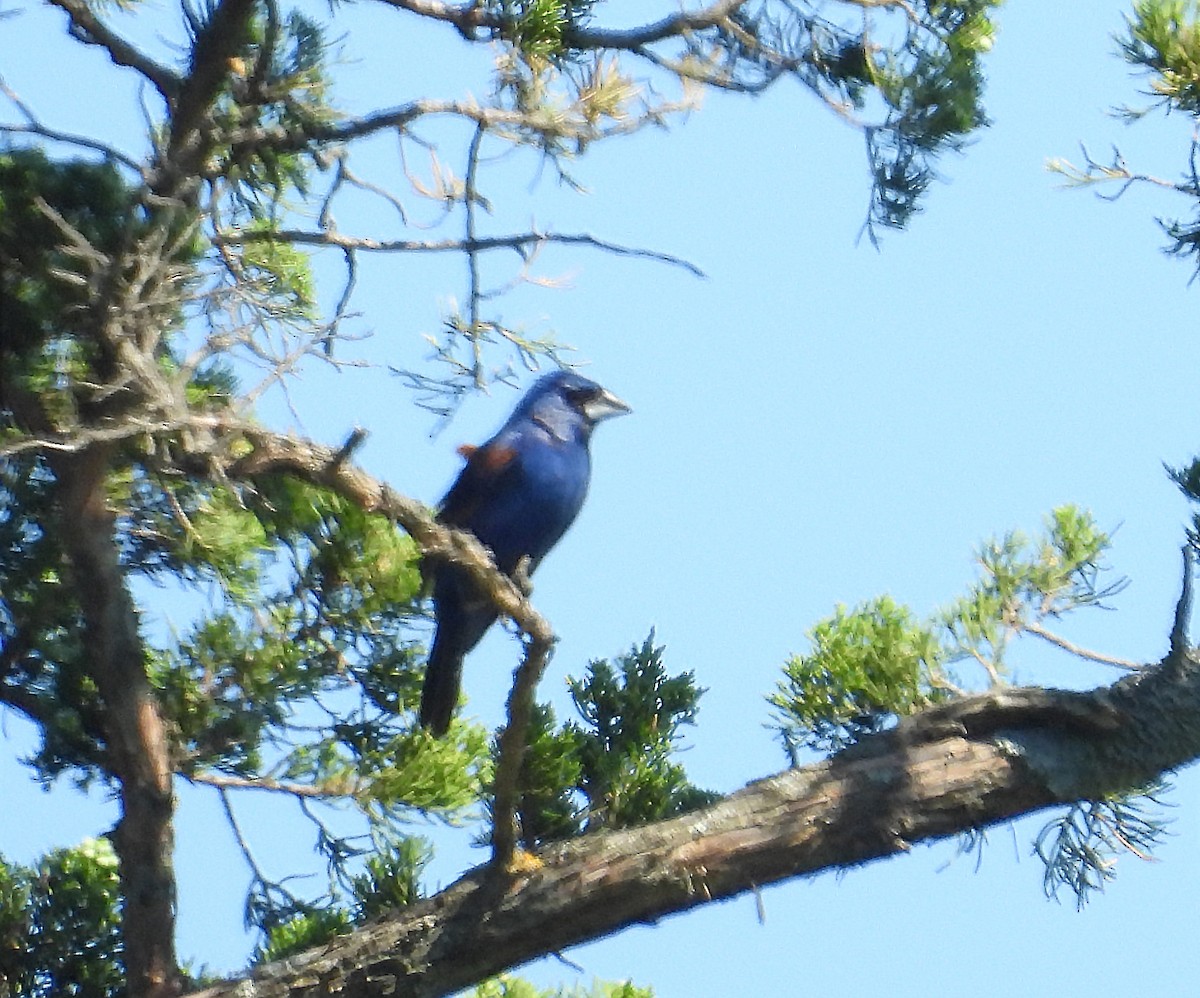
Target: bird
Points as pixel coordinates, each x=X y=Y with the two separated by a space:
x=518 y=493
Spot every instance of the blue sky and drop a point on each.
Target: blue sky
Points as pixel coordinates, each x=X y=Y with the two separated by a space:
x=815 y=423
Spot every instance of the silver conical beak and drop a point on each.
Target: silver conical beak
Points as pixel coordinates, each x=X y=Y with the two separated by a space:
x=604 y=406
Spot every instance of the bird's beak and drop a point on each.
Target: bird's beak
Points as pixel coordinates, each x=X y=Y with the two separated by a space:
x=604 y=406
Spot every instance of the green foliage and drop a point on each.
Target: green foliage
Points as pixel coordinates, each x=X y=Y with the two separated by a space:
x=389 y=879
x=43 y=283
x=876 y=660
x=310 y=680
x=59 y=925
x=534 y=27
x=865 y=664
x=550 y=776
x=1188 y=480
x=279 y=273
x=513 y=987
x=338 y=622
x=280 y=84
x=1163 y=39
x=40 y=627
x=303 y=931
x=1080 y=847
x=392 y=877
x=911 y=76
x=301 y=670
x=632 y=715
x=615 y=767
x=933 y=88
x=1025 y=583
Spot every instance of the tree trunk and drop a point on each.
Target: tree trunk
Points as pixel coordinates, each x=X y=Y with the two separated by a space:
x=134 y=734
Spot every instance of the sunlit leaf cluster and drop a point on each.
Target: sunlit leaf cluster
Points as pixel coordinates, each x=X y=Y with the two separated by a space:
x=866 y=664
x=60 y=925
x=1163 y=38
x=616 y=765
x=514 y=987
x=876 y=661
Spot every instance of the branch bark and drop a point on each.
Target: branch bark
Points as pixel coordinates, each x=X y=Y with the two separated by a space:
x=956 y=767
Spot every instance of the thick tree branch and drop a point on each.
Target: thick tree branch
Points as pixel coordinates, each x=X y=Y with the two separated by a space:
x=956 y=767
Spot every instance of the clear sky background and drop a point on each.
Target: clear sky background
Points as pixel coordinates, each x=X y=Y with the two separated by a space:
x=815 y=423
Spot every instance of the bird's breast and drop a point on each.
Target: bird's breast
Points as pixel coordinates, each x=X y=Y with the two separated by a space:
x=542 y=500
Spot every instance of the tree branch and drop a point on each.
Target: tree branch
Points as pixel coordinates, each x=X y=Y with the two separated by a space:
x=276 y=454
x=672 y=26
x=957 y=767
x=513 y=741
x=224 y=782
x=468 y=17
x=89 y=29
x=507 y=122
x=516 y=241
x=1058 y=641
x=219 y=39
x=1183 y=609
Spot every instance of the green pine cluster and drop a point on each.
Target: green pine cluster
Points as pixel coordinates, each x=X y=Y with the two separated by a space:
x=616 y=765
x=878 y=660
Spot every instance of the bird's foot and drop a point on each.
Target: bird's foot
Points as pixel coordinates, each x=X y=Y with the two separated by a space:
x=522 y=863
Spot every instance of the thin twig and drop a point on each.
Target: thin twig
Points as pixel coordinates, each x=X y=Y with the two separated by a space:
x=474 y=292
x=514 y=241
x=224 y=782
x=1094 y=656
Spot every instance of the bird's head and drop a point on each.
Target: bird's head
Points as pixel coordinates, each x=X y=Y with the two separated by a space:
x=565 y=398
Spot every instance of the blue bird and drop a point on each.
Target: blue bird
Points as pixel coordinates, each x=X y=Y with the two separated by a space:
x=518 y=494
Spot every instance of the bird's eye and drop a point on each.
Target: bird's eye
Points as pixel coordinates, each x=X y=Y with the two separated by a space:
x=579 y=397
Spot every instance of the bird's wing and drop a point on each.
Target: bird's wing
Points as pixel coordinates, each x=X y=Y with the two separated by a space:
x=487 y=470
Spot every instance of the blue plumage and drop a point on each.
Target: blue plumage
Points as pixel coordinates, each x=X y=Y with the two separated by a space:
x=518 y=494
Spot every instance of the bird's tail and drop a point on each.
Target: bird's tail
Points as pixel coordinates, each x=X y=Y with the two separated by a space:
x=463 y=616
x=443 y=678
